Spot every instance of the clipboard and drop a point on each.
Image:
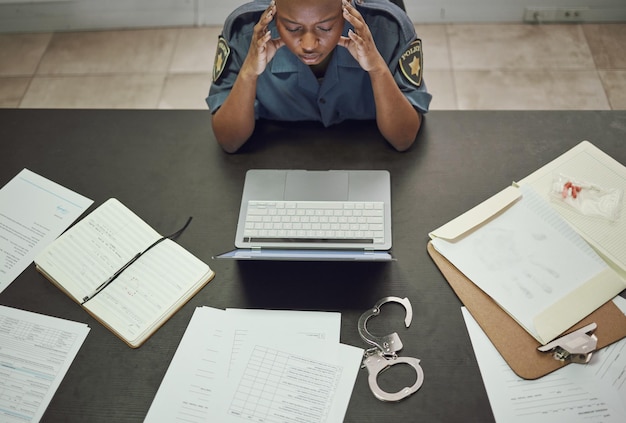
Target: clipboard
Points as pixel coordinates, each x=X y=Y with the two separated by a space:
x=518 y=347
x=515 y=344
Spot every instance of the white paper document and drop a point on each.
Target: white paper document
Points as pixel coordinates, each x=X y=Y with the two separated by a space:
x=591 y=393
x=220 y=349
x=187 y=392
x=34 y=211
x=274 y=380
x=35 y=353
x=245 y=322
x=535 y=266
x=588 y=163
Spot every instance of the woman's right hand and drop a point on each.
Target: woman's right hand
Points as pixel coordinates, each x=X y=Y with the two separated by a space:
x=262 y=46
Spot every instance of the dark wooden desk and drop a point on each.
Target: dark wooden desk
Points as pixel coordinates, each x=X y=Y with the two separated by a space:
x=165 y=165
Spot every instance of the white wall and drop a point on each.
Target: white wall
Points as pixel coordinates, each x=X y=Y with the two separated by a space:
x=432 y=11
x=59 y=15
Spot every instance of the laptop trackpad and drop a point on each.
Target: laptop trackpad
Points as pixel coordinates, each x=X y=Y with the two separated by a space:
x=316 y=186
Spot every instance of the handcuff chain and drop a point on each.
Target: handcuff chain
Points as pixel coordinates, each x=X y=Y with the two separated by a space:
x=383 y=355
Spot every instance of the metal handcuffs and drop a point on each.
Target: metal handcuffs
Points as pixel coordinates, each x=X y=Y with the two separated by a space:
x=383 y=354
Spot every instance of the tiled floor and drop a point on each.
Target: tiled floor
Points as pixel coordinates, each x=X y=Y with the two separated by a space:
x=477 y=66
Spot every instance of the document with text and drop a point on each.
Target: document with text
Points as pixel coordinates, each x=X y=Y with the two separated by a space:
x=323 y=326
x=34 y=211
x=35 y=353
x=187 y=391
x=593 y=393
x=288 y=380
x=216 y=341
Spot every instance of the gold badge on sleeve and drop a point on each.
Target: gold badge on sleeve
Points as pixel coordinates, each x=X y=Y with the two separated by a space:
x=221 y=57
x=411 y=63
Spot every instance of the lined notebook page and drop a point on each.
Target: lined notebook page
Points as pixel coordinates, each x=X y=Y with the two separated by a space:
x=151 y=288
x=146 y=293
x=95 y=248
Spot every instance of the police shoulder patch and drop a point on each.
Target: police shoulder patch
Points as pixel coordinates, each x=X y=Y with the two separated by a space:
x=411 y=63
x=221 y=57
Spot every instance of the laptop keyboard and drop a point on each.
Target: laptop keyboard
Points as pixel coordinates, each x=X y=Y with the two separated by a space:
x=315 y=222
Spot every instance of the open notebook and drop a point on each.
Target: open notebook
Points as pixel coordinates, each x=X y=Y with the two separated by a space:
x=107 y=264
x=314 y=215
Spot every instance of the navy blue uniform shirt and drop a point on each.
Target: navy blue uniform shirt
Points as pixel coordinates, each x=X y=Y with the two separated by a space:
x=288 y=90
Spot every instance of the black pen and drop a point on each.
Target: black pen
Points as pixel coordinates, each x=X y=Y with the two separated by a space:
x=116 y=274
x=132 y=260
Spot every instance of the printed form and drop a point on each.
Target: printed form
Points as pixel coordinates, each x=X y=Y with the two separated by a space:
x=34 y=211
x=295 y=382
x=258 y=365
x=593 y=393
x=35 y=353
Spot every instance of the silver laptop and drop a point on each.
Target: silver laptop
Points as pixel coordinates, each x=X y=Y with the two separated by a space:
x=314 y=215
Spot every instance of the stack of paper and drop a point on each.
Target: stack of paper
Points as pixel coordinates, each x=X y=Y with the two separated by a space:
x=259 y=365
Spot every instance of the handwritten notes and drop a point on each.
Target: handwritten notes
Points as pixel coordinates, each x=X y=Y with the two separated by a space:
x=142 y=297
